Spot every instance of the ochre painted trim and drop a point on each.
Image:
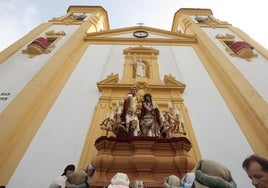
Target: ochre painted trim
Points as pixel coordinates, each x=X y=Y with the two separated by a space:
x=247 y=106
x=5 y=54
x=246 y=38
x=35 y=101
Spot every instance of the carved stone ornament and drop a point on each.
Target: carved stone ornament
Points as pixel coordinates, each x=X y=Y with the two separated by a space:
x=236 y=48
x=77 y=16
x=43 y=45
x=71 y=18
x=202 y=19
x=208 y=21
x=146 y=158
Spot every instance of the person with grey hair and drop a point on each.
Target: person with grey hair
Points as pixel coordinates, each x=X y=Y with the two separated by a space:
x=257 y=170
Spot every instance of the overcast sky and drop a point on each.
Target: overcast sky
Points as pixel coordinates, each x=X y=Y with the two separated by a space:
x=18 y=17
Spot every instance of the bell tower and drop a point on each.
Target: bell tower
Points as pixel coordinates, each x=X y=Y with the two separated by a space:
x=225 y=51
x=48 y=46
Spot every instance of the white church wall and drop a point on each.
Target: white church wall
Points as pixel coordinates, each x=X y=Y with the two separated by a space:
x=255 y=70
x=19 y=69
x=60 y=139
x=218 y=134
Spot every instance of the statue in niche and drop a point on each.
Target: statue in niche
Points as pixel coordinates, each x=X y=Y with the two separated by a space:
x=139 y=66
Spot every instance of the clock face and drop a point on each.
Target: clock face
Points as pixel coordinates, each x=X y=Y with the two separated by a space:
x=140 y=34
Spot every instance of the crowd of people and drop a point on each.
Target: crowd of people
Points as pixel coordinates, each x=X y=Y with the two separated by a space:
x=206 y=174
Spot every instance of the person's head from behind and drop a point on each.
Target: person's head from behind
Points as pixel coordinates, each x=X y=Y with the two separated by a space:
x=69 y=169
x=257 y=170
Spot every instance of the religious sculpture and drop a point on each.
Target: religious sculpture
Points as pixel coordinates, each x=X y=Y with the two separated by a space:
x=129 y=114
x=146 y=121
x=172 y=122
x=139 y=67
x=114 y=124
x=150 y=119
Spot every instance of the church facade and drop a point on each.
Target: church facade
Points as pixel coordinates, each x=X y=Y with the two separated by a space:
x=63 y=79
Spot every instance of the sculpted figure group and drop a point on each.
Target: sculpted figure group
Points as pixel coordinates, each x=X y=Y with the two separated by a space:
x=141 y=118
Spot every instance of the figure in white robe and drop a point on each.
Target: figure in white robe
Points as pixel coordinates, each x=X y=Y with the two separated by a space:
x=140 y=67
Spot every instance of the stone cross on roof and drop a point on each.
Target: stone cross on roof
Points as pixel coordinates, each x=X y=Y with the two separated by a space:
x=140 y=23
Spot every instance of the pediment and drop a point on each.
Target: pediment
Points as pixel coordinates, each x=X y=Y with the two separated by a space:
x=110 y=80
x=170 y=80
x=124 y=34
